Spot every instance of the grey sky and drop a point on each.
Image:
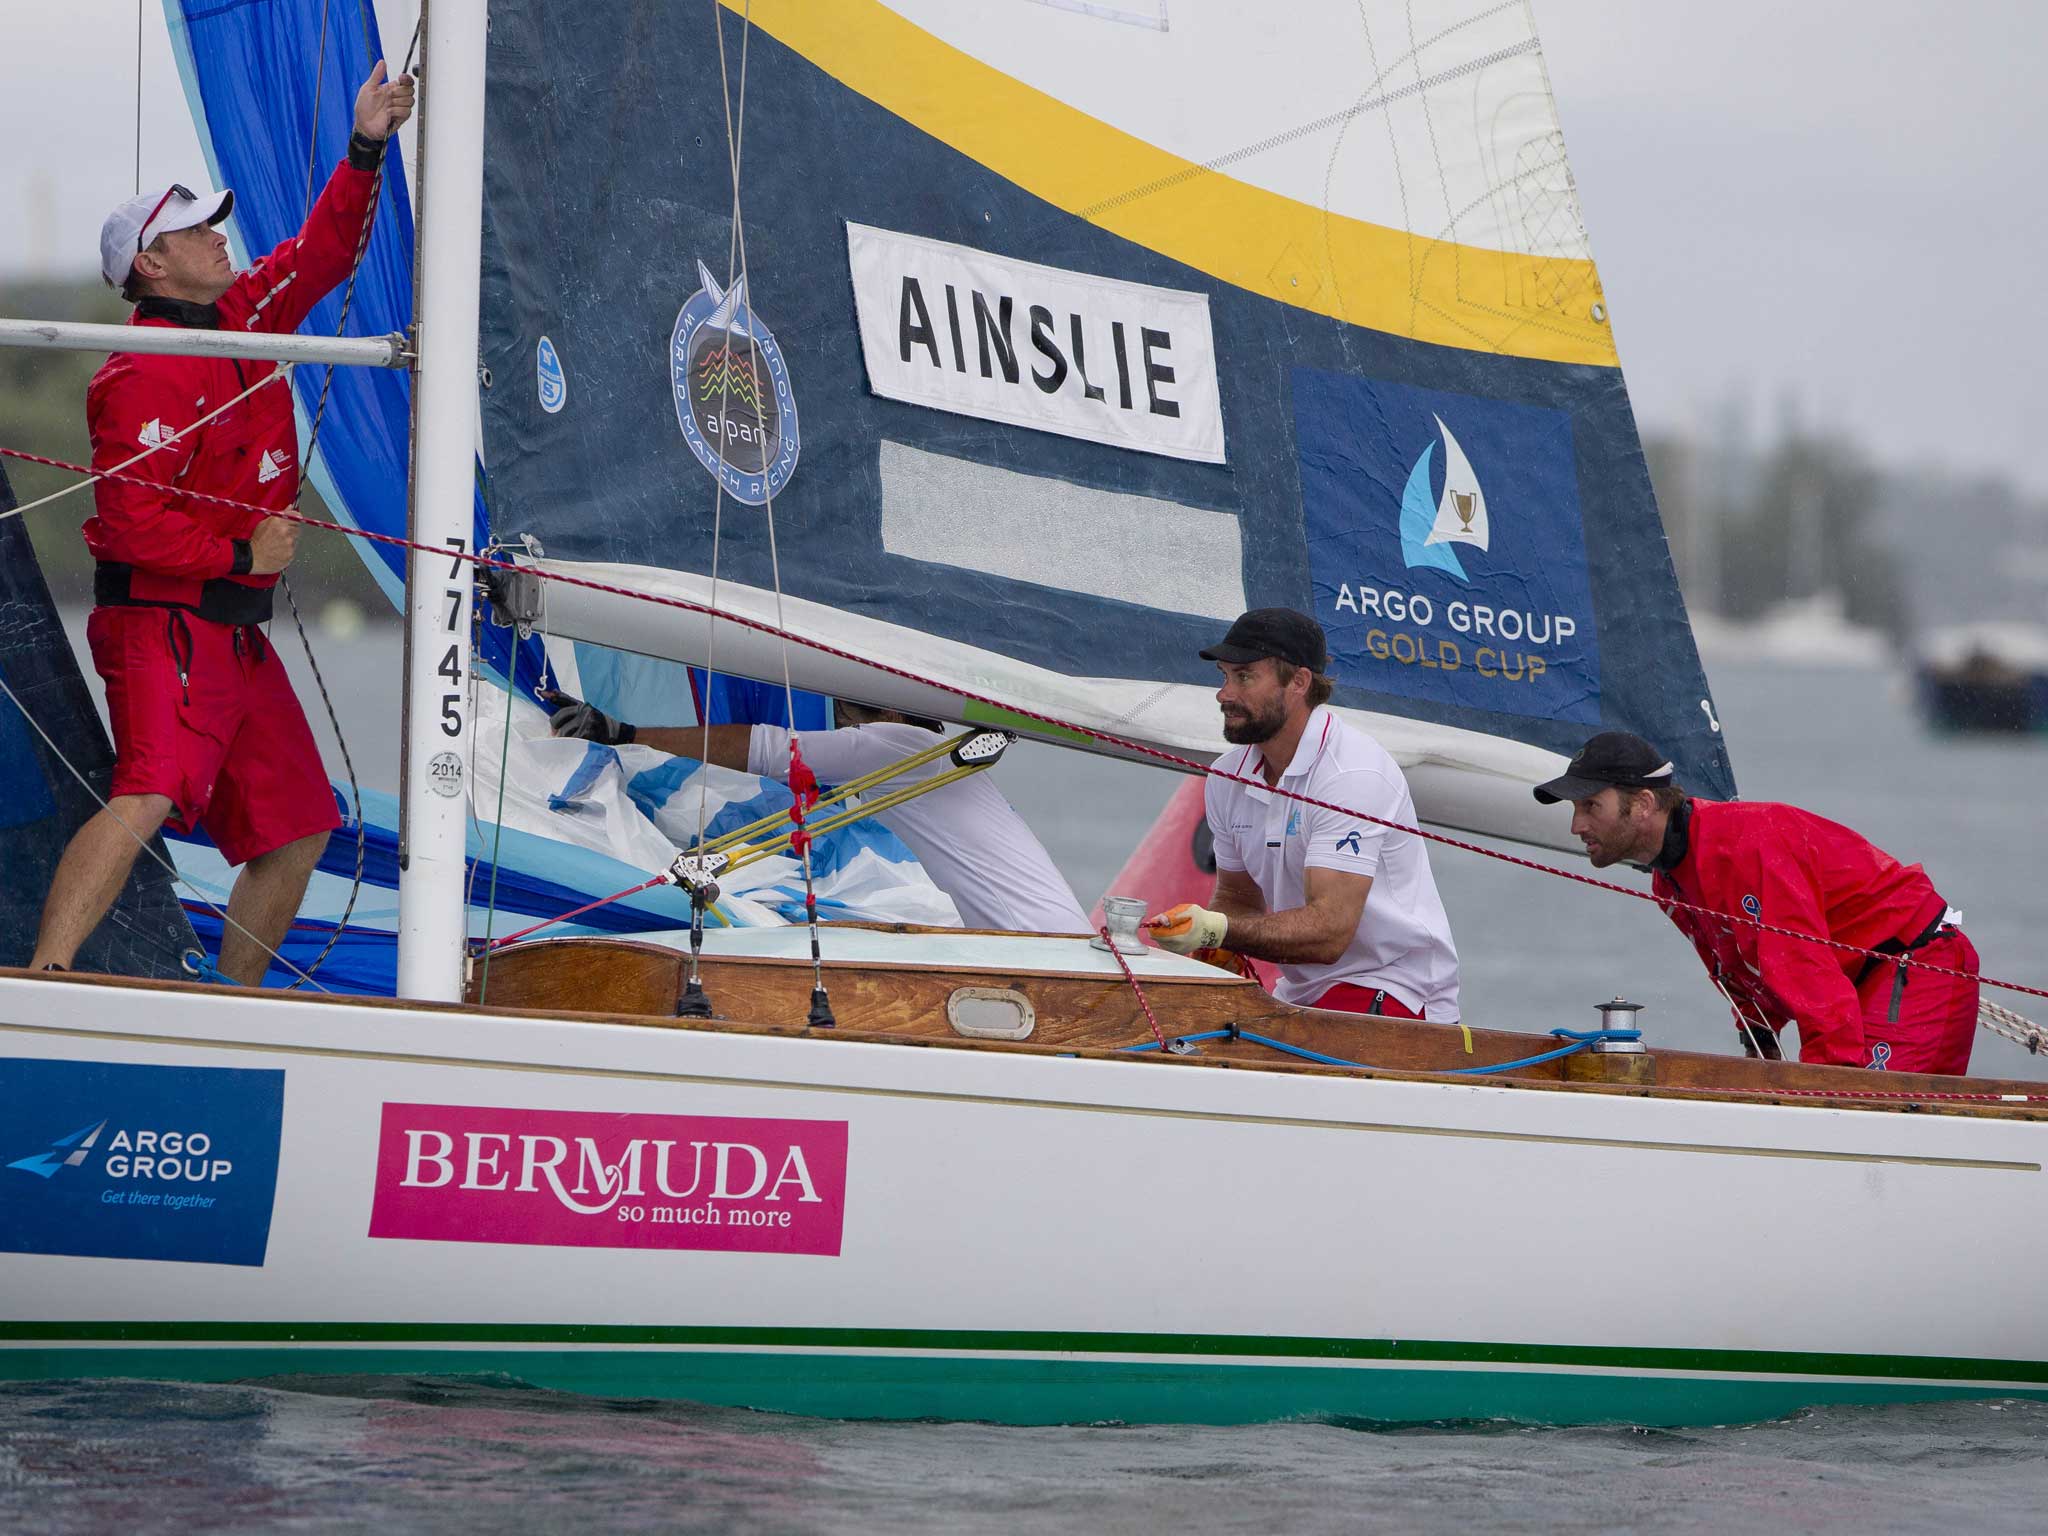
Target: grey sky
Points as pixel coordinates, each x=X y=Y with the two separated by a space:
x=1840 y=201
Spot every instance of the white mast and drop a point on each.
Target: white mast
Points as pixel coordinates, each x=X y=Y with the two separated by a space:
x=435 y=790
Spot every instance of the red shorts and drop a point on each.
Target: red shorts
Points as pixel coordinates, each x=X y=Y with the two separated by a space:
x=1378 y=1001
x=227 y=744
x=1937 y=1022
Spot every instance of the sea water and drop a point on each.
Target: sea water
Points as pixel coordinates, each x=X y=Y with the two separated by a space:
x=399 y=1454
x=384 y=1454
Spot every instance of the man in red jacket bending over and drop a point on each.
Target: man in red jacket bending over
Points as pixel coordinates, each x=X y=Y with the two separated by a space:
x=207 y=729
x=1790 y=869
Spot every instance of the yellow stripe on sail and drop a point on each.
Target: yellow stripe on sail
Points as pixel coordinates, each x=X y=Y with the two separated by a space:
x=1365 y=274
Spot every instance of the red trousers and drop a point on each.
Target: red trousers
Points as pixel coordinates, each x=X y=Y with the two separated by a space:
x=204 y=714
x=1346 y=998
x=1937 y=1020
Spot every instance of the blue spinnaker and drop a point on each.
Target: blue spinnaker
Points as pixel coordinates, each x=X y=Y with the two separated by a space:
x=256 y=76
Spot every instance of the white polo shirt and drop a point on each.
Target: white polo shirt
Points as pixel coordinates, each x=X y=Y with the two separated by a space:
x=969 y=839
x=1403 y=941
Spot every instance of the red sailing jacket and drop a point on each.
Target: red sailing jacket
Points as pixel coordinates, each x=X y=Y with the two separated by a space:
x=249 y=452
x=1795 y=870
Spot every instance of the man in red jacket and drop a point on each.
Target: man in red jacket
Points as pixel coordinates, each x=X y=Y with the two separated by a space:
x=207 y=730
x=1792 y=870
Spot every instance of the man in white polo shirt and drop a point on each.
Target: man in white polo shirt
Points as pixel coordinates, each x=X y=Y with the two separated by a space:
x=969 y=839
x=1345 y=907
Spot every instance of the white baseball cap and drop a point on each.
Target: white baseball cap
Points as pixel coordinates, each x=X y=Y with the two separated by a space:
x=141 y=219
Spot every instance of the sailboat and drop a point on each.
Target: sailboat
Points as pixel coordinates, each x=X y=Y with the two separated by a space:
x=980 y=362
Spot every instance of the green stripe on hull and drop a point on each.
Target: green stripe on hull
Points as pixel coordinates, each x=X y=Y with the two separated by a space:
x=1028 y=1391
x=1420 y=1353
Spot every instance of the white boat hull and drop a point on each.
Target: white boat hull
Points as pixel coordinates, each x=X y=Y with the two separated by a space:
x=1038 y=1238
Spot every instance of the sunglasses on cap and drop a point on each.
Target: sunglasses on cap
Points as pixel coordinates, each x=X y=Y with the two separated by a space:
x=177 y=190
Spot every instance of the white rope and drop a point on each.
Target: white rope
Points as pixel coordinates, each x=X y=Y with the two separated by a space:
x=734 y=135
x=282 y=371
x=2008 y=1025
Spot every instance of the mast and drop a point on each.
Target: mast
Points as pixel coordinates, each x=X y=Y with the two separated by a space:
x=435 y=757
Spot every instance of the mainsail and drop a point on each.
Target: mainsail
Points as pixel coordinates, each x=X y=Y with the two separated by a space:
x=1053 y=336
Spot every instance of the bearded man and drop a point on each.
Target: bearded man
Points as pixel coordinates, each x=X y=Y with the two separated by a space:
x=1343 y=905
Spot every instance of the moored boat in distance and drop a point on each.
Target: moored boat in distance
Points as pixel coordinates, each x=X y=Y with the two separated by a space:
x=1990 y=677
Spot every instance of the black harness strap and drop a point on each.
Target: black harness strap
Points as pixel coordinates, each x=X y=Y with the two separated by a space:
x=1901 y=948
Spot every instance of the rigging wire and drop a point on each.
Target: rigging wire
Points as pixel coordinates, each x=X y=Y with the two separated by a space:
x=1123 y=744
x=115 y=473
x=138 y=98
x=802 y=783
x=312 y=443
x=734 y=136
x=177 y=876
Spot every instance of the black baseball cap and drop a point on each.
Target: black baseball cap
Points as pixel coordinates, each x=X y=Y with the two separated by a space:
x=1612 y=759
x=1281 y=633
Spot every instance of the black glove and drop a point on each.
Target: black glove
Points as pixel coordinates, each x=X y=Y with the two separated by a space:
x=573 y=717
x=1760 y=1040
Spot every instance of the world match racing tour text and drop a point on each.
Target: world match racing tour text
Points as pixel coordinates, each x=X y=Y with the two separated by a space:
x=1471 y=621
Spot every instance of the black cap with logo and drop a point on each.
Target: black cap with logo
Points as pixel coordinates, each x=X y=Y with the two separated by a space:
x=1612 y=759
x=1281 y=633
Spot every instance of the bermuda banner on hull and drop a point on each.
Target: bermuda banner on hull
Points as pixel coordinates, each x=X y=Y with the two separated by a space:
x=567 y=1179
x=963 y=330
x=106 y=1160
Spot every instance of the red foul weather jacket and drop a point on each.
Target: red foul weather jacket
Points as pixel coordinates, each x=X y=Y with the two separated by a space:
x=1794 y=870
x=169 y=543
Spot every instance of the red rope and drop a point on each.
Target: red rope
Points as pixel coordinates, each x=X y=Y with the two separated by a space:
x=1870 y=1093
x=486 y=562
x=588 y=906
x=1125 y=965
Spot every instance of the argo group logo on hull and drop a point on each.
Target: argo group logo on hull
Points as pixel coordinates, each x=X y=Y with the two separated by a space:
x=577 y=1179
x=1446 y=551
x=110 y=1160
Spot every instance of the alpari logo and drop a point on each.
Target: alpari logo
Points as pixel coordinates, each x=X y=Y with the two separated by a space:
x=733 y=396
x=1430 y=524
x=166 y=1156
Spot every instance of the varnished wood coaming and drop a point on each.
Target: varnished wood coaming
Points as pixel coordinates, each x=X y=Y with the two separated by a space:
x=1087 y=1013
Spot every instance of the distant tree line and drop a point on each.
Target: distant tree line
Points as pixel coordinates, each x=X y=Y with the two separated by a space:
x=1750 y=532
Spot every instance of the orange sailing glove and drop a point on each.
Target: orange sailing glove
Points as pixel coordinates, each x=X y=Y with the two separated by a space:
x=1187 y=928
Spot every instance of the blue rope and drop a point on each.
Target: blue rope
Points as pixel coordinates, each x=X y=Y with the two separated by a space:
x=202 y=967
x=1577 y=1040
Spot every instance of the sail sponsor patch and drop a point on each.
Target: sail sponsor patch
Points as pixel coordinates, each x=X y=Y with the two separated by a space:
x=577 y=1179
x=957 y=329
x=733 y=396
x=549 y=380
x=117 y=1161
x=1446 y=550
